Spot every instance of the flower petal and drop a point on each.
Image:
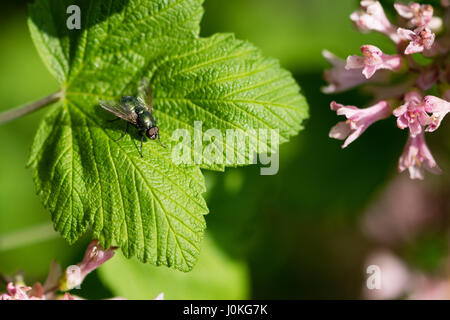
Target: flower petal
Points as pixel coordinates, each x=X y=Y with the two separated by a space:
x=340 y=131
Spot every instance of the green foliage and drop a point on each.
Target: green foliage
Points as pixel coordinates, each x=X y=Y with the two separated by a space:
x=215 y=276
x=150 y=207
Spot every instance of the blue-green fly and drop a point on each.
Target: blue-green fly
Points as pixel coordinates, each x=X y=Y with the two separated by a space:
x=136 y=110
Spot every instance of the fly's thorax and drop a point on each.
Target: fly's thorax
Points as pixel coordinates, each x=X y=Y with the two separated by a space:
x=130 y=103
x=145 y=120
x=140 y=109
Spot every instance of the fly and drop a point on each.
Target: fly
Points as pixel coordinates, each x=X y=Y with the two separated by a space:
x=136 y=110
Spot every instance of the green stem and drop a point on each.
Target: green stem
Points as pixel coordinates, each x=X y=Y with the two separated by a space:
x=22 y=238
x=31 y=107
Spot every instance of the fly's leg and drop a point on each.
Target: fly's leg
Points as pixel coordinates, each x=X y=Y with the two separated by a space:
x=112 y=120
x=159 y=139
x=142 y=140
x=126 y=131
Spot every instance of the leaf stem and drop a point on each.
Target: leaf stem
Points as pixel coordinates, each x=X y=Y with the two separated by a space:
x=28 y=236
x=31 y=107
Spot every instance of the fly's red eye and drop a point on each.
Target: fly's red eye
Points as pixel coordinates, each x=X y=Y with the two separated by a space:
x=152 y=133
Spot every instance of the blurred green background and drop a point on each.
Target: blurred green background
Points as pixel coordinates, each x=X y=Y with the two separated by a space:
x=294 y=235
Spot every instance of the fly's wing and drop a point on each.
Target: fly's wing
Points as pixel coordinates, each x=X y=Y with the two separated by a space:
x=146 y=94
x=117 y=109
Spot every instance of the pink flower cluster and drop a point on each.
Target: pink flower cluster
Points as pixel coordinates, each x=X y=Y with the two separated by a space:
x=417 y=31
x=57 y=281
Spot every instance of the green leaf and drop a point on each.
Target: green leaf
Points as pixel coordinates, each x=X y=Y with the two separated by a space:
x=216 y=276
x=150 y=207
x=226 y=84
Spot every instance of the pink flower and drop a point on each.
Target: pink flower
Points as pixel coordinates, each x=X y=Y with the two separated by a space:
x=394 y=279
x=68 y=296
x=341 y=79
x=420 y=39
x=358 y=120
x=439 y=109
x=94 y=257
x=373 y=59
x=412 y=114
x=418 y=15
x=372 y=17
x=37 y=292
x=16 y=292
x=416 y=156
x=52 y=281
x=419 y=34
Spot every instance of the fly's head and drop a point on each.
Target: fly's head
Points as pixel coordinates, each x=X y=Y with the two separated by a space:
x=153 y=133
